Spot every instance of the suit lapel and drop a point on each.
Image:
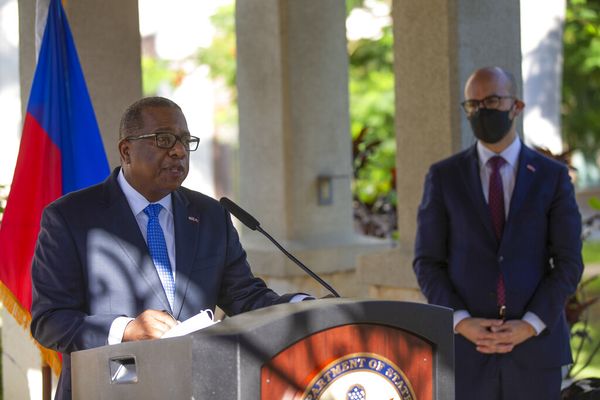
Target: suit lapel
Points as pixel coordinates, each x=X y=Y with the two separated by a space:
x=526 y=172
x=127 y=234
x=186 y=243
x=472 y=182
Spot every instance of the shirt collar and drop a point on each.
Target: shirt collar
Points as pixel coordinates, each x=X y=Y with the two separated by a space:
x=510 y=154
x=137 y=202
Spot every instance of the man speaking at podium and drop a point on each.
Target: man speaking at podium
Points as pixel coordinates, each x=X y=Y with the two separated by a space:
x=498 y=240
x=123 y=260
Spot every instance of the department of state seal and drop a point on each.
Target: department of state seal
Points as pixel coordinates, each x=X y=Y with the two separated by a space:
x=360 y=376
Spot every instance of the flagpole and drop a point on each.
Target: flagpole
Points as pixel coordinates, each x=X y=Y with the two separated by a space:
x=46 y=381
x=41 y=16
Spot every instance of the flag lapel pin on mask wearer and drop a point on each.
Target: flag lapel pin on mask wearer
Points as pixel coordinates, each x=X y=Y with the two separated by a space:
x=193 y=219
x=531 y=167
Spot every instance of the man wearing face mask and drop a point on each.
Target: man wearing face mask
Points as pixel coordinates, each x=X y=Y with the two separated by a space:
x=498 y=241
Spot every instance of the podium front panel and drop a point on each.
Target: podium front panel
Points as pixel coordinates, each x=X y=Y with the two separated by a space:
x=262 y=351
x=371 y=359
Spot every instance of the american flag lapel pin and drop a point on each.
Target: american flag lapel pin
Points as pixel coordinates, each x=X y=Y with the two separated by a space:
x=193 y=219
x=531 y=167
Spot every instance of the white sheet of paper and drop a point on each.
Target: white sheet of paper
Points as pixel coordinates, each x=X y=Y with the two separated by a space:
x=203 y=319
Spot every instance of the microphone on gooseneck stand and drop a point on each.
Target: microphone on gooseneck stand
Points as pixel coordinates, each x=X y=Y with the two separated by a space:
x=253 y=224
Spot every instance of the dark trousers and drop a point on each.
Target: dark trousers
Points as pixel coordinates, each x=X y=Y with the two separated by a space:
x=502 y=379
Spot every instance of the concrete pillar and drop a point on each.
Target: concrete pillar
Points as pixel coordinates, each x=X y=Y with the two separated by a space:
x=542 y=72
x=9 y=89
x=21 y=362
x=294 y=127
x=106 y=34
x=437 y=44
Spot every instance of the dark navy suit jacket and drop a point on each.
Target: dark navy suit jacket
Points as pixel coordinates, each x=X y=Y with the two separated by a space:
x=458 y=258
x=92 y=265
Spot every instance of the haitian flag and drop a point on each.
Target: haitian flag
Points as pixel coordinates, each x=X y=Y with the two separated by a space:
x=61 y=151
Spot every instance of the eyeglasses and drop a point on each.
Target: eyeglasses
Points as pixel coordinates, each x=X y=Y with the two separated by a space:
x=167 y=140
x=492 y=102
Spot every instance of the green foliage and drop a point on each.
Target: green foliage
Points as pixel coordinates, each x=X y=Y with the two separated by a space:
x=352 y=4
x=591 y=253
x=594 y=203
x=372 y=119
x=156 y=73
x=584 y=346
x=581 y=76
x=371 y=105
x=220 y=57
x=582 y=315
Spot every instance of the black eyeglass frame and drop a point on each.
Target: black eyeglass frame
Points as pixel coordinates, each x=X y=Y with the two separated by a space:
x=477 y=103
x=189 y=146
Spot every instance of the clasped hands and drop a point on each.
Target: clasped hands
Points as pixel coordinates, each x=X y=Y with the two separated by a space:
x=495 y=335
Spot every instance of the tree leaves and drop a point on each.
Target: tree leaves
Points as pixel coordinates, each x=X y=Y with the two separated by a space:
x=581 y=76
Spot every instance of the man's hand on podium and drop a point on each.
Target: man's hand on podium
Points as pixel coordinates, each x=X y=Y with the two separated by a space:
x=151 y=324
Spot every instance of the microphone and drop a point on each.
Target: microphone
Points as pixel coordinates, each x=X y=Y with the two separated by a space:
x=253 y=224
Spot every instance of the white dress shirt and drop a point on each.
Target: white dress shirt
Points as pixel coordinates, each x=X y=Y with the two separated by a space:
x=508 y=171
x=137 y=203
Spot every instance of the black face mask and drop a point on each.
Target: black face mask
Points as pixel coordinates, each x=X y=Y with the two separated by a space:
x=490 y=126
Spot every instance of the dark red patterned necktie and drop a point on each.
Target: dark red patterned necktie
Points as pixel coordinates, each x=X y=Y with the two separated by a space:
x=496 y=204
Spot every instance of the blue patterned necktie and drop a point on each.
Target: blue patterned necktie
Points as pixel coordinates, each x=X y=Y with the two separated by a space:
x=158 y=251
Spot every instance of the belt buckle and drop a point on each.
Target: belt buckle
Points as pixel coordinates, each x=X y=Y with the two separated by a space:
x=502 y=312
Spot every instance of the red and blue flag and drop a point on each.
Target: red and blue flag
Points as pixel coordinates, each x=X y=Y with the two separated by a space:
x=61 y=151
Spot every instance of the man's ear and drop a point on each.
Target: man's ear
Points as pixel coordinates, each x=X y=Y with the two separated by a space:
x=517 y=108
x=124 y=150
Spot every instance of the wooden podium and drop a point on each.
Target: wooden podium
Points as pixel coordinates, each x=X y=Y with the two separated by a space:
x=323 y=349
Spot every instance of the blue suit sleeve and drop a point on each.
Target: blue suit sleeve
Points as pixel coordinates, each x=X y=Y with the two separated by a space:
x=564 y=248
x=431 y=247
x=60 y=320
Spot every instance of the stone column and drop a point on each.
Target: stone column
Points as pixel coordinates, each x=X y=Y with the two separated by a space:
x=542 y=72
x=106 y=34
x=437 y=44
x=294 y=127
